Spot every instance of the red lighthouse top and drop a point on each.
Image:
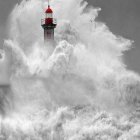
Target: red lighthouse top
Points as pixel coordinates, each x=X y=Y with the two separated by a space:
x=49 y=21
x=49 y=10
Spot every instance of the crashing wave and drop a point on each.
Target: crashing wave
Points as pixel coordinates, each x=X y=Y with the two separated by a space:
x=82 y=91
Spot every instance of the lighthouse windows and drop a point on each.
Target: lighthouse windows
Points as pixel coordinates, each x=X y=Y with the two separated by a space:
x=49 y=15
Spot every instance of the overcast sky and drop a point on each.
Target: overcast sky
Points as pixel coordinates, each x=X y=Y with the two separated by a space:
x=121 y=16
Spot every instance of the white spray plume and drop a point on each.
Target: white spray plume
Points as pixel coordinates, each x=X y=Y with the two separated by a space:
x=92 y=54
x=83 y=90
x=96 y=58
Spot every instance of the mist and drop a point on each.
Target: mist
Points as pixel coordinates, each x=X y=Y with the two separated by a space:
x=82 y=90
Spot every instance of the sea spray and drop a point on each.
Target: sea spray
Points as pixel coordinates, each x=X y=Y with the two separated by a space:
x=82 y=91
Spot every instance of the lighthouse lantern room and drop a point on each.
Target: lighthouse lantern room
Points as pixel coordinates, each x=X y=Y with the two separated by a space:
x=49 y=24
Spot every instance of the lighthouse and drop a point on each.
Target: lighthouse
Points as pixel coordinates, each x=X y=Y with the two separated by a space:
x=49 y=24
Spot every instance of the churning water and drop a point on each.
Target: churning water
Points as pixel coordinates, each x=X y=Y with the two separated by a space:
x=82 y=91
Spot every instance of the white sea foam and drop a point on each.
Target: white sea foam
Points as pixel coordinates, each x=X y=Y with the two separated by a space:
x=82 y=91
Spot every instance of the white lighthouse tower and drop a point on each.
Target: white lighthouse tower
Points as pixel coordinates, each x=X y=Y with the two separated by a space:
x=49 y=24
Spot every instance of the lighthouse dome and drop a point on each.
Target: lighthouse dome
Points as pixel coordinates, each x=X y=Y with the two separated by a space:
x=49 y=10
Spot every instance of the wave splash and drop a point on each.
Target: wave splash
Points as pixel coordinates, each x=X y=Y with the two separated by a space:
x=82 y=91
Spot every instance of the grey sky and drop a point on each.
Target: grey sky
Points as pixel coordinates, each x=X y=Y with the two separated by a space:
x=121 y=16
